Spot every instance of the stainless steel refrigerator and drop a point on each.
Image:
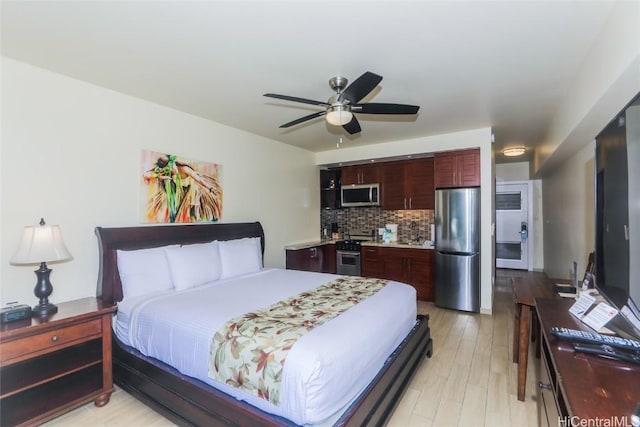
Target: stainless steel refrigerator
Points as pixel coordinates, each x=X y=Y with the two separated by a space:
x=457 y=226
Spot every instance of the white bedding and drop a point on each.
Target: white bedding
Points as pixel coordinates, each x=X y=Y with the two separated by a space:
x=324 y=370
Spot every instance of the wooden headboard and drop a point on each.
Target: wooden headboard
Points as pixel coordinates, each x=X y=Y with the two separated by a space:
x=130 y=238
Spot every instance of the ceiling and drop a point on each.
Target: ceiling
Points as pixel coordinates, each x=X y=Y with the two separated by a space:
x=505 y=65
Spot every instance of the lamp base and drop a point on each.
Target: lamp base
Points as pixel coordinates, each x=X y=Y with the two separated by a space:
x=42 y=290
x=42 y=310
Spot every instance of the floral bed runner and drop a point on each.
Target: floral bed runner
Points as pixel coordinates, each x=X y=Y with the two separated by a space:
x=249 y=351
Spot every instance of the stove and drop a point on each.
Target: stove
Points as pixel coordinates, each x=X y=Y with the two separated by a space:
x=348 y=254
x=352 y=245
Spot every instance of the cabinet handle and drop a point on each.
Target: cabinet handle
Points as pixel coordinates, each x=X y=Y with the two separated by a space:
x=405 y=203
x=543 y=386
x=54 y=338
x=410 y=207
x=314 y=252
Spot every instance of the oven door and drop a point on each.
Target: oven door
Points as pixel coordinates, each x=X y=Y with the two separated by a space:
x=348 y=263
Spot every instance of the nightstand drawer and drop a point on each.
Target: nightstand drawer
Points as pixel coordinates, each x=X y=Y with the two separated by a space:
x=14 y=351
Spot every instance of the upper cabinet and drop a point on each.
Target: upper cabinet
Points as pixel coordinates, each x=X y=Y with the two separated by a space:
x=457 y=168
x=360 y=174
x=330 y=189
x=408 y=184
x=419 y=182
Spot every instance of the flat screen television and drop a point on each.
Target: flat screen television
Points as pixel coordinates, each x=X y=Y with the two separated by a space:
x=617 y=216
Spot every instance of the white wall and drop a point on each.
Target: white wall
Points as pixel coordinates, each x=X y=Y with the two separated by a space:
x=451 y=141
x=71 y=154
x=608 y=80
x=519 y=171
x=568 y=208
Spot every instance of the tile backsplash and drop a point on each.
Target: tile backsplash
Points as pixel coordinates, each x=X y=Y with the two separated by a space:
x=367 y=219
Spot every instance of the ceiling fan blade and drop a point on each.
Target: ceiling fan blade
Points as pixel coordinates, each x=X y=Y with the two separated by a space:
x=383 y=108
x=360 y=87
x=296 y=99
x=353 y=126
x=303 y=119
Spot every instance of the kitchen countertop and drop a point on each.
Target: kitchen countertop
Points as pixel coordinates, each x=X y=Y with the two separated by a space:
x=306 y=245
x=398 y=245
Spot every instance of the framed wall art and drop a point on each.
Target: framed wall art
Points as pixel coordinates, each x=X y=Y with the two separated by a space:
x=179 y=190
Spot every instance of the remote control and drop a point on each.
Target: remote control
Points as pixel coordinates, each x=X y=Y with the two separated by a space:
x=605 y=350
x=573 y=335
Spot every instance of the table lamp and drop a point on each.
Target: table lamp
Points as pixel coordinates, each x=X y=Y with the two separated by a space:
x=39 y=244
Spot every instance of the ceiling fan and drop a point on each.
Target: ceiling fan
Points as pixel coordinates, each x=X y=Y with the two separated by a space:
x=340 y=107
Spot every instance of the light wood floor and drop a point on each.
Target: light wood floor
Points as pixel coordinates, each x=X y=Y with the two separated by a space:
x=469 y=381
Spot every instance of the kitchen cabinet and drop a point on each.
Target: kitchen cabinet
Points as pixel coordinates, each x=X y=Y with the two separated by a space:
x=415 y=267
x=408 y=184
x=370 y=266
x=320 y=258
x=330 y=189
x=360 y=174
x=457 y=168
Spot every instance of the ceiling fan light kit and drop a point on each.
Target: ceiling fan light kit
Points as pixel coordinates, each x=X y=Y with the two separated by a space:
x=340 y=109
x=514 y=151
x=339 y=115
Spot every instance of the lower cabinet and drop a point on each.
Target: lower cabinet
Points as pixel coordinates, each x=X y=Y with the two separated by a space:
x=370 y=262
x=321 y=258
x=415 y=267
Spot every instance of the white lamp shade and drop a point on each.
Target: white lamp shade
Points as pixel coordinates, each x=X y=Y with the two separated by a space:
x=41 y=243
x=339 y=117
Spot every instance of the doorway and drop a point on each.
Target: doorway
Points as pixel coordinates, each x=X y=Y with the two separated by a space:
x=513 y=220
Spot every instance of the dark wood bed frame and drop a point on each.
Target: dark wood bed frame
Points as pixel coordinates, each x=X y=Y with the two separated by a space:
x=186 y=401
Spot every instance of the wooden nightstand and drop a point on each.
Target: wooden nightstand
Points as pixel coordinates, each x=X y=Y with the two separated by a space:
x=53 y=364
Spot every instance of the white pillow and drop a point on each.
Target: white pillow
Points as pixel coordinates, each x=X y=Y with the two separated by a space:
x=193 y=265
x=143 y=271
x=240 y=256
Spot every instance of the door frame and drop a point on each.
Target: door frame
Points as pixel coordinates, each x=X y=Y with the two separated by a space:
x=529 y=192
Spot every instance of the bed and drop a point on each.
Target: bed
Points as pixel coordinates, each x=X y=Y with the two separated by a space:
x=189 y=401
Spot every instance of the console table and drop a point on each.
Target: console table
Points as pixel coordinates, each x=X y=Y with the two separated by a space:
x=525 y=291
x=576 y=387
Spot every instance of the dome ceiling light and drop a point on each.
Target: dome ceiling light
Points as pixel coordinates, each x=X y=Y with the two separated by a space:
x=514 y=151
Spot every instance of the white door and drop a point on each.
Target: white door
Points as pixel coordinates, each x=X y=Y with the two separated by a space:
x=512 y=225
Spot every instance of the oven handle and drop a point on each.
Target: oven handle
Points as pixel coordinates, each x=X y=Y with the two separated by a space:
x=347 y=254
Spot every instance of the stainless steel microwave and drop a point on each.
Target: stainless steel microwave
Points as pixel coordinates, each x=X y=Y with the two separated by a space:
x=360 y=195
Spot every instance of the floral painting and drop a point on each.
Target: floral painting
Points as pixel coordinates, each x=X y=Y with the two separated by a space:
x=177 y=190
